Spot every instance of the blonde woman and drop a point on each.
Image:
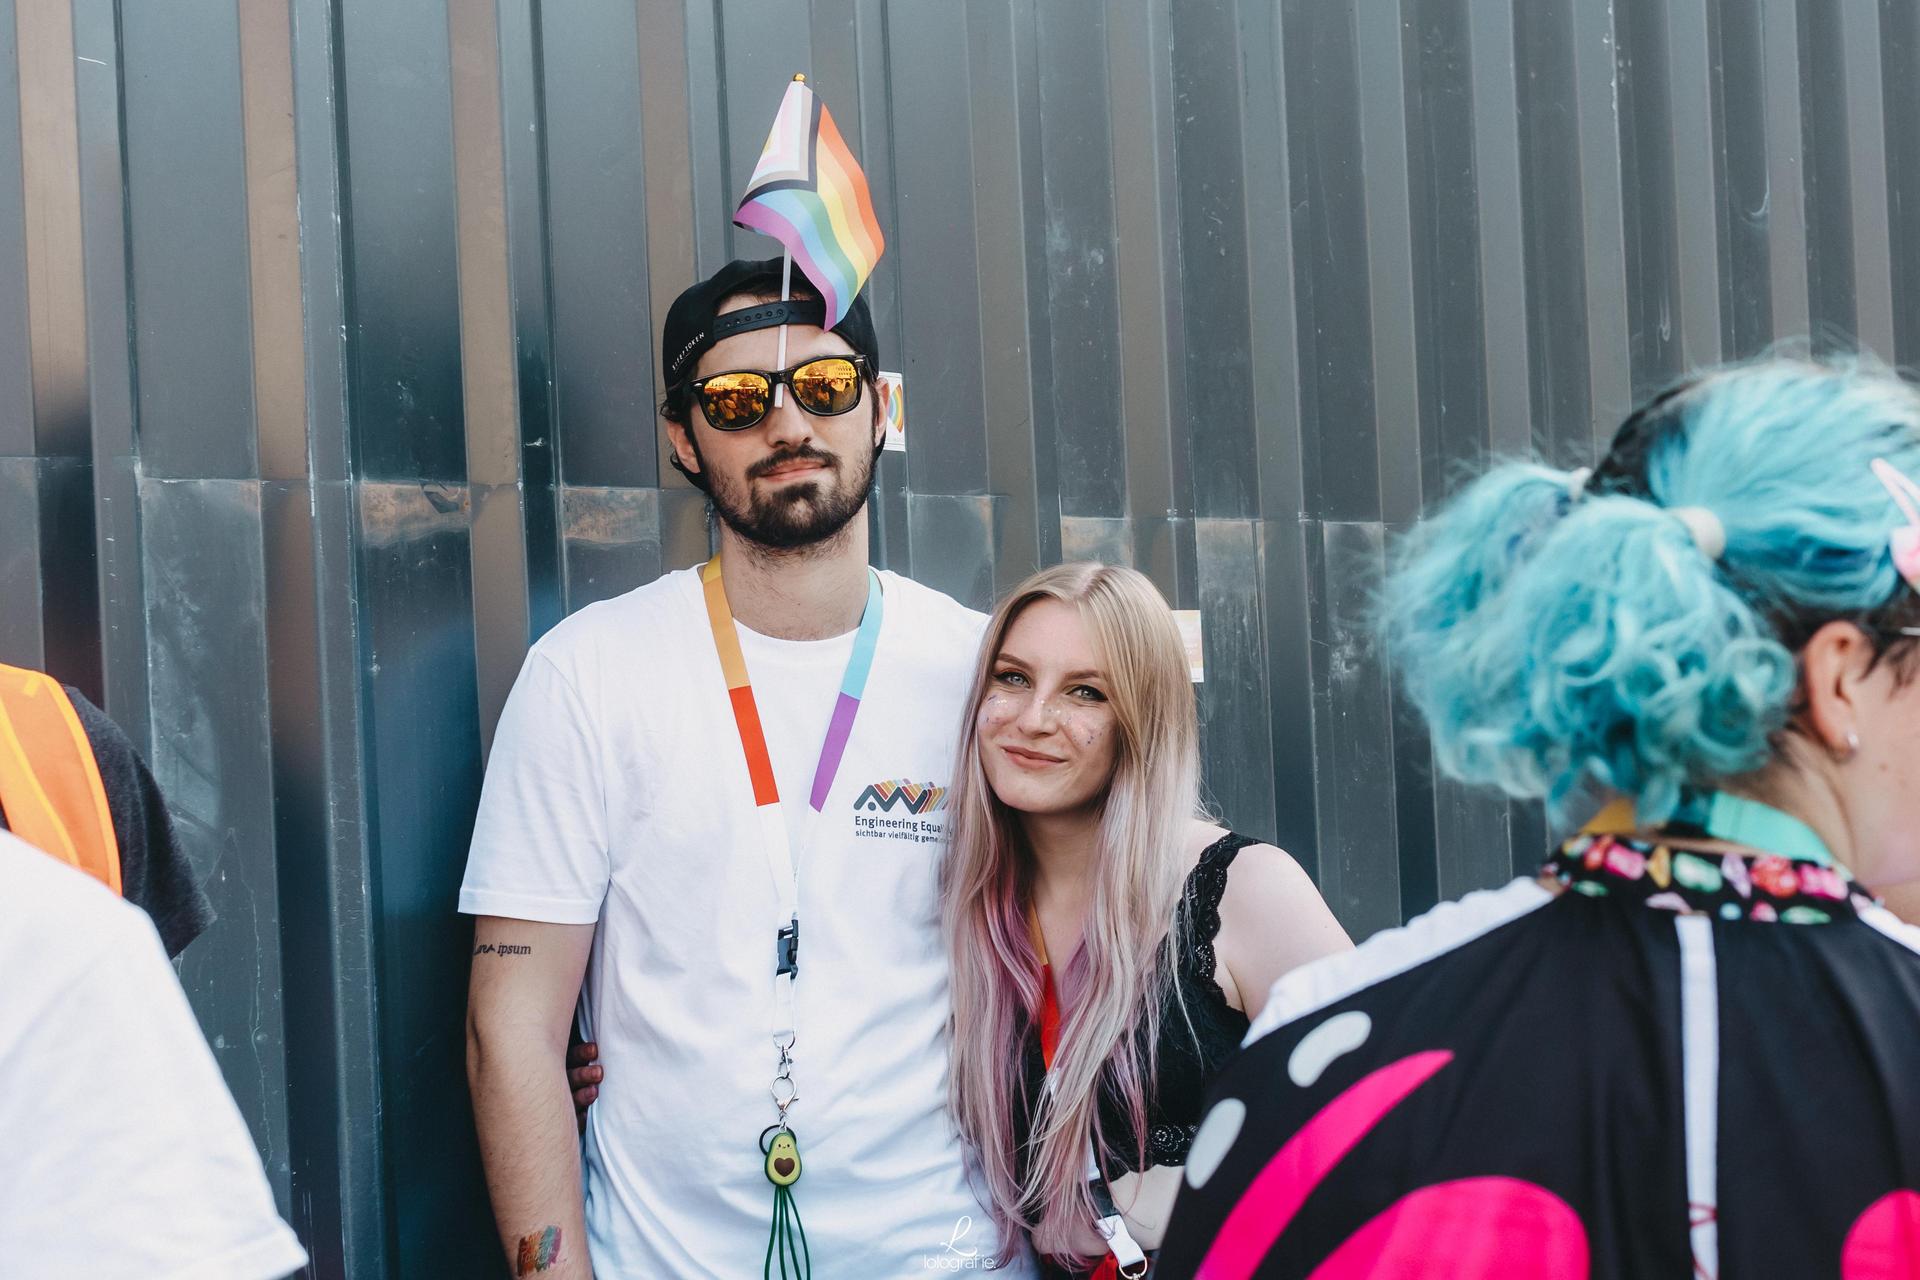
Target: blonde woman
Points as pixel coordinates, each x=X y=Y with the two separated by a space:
x=1108 y=944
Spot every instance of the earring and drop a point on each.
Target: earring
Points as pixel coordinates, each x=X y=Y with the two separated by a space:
x=1853 y=746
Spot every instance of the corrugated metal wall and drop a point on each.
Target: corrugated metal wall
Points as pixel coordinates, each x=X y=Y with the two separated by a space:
x=327 y=371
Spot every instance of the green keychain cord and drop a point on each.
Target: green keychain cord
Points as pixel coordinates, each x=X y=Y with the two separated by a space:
x=788 y=1239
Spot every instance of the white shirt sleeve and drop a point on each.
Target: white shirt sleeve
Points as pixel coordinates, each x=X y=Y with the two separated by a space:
x=126 y=1156
x=540 y=840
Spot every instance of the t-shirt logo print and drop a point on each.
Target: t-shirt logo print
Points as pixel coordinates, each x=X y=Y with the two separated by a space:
x=915 y=797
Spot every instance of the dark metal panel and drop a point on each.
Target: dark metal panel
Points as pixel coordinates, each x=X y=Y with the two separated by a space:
x=1341 y=459
x=938 y=265
x=486 y=296
x=953 y=545
x=1272 y=317
x=1025 y=21
x=1867 y=175
x=122 y=593
x=500 y=590
x=69 y=601
x=613 y=542
x=666 y=140
x=1696 y=208
x=1824 y=155
x=1552 y=275
x=323 y=791
x=1507 y=130
x=16 y=354
x=597 y=260
x=1646 y=179
x=1001 y=243
x=535 y=461
x=1286 y=622
x=1415 y=810
x=20 y=643
x=273 y=233
x=1217 y=381
x=1445 y=297
x=1153 y=341
x=1609 y=361
x=713 y=196
x=321 y=1150
x=499 y=598
x=762 y=45
x=1383 y=145
x=1740 y=171
x=206 y=593
x=1786 y=198
x=186 y=185
x=1105 y=538
x=1899 y=53
x=1353 y=736
x=400 y=221
x=55 y=287
x=1082 y=273
x=424 y=749
x=834 y=32
x=1233 y=703
x=887 y=522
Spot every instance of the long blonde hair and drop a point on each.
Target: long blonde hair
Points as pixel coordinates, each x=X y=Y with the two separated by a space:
x=1113 y=990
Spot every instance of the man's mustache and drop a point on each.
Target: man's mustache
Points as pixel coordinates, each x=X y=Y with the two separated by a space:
x=805 y=453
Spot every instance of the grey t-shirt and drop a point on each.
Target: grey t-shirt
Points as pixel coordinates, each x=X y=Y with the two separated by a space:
x=154 y=872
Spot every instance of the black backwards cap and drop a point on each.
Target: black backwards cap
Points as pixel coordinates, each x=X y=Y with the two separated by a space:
x=694 y=322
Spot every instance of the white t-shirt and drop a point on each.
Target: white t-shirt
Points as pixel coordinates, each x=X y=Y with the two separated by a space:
x=125 y=1156
x=618 y=794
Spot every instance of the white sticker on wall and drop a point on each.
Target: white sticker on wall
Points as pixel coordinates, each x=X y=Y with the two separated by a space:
x=893 y=400
x=1189 y=622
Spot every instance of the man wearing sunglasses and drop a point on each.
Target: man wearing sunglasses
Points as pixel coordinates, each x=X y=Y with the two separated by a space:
x=717 y=801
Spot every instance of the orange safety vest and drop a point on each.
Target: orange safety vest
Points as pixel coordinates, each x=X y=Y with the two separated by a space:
x=50 y=787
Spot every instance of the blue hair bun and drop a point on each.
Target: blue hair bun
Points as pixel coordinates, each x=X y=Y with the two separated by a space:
x=1558 y=643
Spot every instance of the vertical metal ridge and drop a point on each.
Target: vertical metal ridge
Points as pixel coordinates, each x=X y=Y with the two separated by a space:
x=1867 y=189
x=120 y=581
x=323 y=788
x=1499 y=181
x=1381 y=80
x=1786 y=179
x=50 y=171
x=488 y=383
x=273 y=239
x=1692 y=115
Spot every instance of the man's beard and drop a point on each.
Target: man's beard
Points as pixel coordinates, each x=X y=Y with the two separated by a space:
x=799 y=514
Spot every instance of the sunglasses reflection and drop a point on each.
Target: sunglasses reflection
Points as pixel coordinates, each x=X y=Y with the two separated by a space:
x=740 y=398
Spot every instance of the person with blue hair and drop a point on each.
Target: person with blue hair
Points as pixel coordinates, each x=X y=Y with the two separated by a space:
x=1691 y=1046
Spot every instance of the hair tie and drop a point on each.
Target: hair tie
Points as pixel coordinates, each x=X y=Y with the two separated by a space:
x=1577 y=483
x=1709 y=534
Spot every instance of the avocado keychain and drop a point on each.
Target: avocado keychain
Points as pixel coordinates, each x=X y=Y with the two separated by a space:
x=788 y=1238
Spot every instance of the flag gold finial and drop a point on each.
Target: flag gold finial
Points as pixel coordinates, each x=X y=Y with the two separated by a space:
x=800 y=77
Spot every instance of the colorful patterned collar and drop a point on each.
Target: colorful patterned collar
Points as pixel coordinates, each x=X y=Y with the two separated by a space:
x=1721 y=815
x=1764 y=887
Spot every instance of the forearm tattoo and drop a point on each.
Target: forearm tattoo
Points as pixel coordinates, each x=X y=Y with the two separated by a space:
x=538 y=1252
x=501 y=949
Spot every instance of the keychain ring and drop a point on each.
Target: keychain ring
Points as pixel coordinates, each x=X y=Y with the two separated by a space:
x=785 y=1092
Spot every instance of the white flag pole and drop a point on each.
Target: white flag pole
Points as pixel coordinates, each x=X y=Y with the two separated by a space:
x=786 y=292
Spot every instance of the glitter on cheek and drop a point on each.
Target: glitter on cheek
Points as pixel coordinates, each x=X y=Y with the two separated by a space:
x=998 y=708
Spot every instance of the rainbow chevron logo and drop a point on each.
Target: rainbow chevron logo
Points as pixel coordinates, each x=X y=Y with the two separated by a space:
x=915 y=797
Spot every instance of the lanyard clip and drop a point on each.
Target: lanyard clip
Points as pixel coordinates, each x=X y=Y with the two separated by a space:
x=786 y=950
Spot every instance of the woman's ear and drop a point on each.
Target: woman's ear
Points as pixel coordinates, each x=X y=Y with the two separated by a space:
x=1834 y=665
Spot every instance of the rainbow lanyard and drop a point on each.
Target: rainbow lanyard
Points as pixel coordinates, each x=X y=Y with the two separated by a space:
x=766 y=794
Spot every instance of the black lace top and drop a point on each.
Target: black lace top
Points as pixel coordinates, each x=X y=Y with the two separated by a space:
x=1187 y=1057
